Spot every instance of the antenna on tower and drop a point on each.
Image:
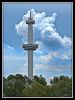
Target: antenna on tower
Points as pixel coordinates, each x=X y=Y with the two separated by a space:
x=30 y=14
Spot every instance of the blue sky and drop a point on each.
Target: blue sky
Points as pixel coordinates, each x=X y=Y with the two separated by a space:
x=52 y=31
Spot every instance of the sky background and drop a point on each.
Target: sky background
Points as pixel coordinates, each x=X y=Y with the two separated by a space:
x=52 y=31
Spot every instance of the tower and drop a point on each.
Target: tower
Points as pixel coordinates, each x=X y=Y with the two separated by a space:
x=30 y=47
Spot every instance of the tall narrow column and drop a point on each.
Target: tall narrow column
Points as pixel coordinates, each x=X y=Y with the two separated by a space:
x=30 y=34
x=30 y=46
x=30 y=64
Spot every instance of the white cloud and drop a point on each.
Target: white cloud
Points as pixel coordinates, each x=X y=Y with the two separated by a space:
x=65 y=55
x=38 y=52
x=46 y=27
x=10 y=47
x=46 y=58
x=38 y=67
x=7 y=46
x=66 y=41
x=40 y=47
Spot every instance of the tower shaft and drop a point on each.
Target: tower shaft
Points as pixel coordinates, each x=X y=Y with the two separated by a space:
x=30 y=64
x=30 y=34
x=30 y=52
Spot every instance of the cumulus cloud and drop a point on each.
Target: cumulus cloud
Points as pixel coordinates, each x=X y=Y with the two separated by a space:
x=66 y=55
x=47 y=58
x=48 y=34
x=45 y=25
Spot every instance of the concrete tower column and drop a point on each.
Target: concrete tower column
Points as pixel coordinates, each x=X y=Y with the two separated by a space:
x=30 y=34
x=30 y=64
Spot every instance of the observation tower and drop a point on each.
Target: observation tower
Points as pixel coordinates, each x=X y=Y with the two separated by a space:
x=30 y=46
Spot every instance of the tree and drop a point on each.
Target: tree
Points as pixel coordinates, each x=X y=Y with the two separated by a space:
x=36 y=90
x=54 y=80
x=27 y=80
x=42 y=80
x=4 y=86
x=11 y=79
x=23 y=86
x=62 y=88
x=36 y=78
x=62 y=77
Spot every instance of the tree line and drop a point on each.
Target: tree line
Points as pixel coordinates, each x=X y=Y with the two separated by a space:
x=21 y=86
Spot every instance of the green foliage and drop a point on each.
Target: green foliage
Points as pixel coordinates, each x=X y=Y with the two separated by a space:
x=53 y=81
x=21 y=86
x=63 y=88
x=40 y=80
x=34 y=90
